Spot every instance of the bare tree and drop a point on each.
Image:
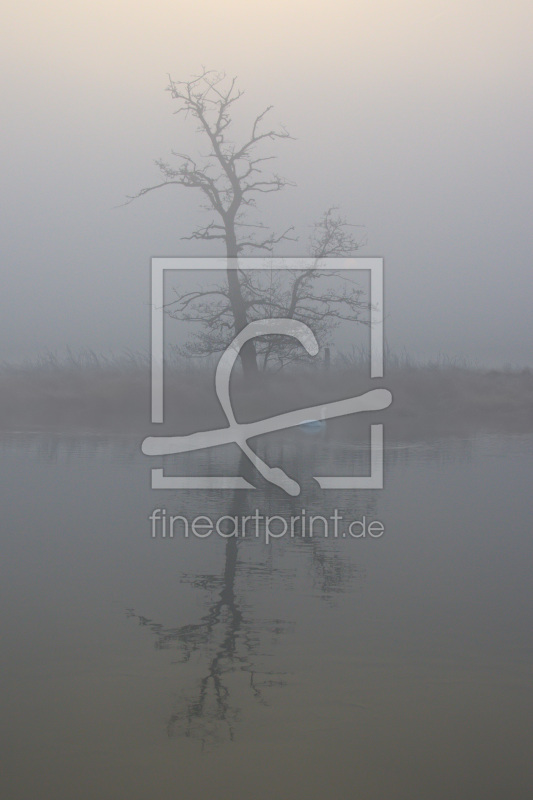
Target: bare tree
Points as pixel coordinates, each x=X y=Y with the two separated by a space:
x=321 y=297
x=231 y=176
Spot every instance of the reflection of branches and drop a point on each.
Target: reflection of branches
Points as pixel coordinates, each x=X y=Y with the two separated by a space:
x=213 y=709
x=331 y=572
x=230 y=643
x=227 y=642
x=191 y=638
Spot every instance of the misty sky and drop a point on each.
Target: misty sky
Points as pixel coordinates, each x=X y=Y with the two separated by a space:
x=414 y=117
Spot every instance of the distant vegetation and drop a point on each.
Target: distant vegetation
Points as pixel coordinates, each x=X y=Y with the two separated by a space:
x=90 y=392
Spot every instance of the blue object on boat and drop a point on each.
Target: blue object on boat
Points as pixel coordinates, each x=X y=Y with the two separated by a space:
x=313 y=425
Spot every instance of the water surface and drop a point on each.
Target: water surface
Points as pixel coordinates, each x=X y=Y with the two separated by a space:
x=392 y=667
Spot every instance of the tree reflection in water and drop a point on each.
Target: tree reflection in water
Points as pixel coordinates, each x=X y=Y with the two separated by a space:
x=229 y=640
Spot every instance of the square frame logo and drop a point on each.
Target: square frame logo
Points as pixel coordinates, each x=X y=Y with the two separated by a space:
x=373 y=400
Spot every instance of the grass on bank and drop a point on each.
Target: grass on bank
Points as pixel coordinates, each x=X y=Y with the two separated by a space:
x=90 y=391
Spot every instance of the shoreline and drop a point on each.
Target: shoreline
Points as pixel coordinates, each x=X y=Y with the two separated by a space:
x=104 y=399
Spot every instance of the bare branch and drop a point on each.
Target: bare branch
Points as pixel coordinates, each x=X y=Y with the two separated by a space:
x=230 y=176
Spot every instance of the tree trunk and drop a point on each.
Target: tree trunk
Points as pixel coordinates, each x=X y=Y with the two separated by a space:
x=248 y=353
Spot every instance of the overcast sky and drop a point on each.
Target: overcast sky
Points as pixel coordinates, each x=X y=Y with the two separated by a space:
x=414 y=117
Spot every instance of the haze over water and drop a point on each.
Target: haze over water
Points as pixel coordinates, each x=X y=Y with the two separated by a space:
x=398 y=666
x=384 y=667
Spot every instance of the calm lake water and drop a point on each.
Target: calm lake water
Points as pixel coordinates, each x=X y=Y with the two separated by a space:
x=310 y=667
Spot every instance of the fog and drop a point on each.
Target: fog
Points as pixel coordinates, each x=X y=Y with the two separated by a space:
x=277 y=570
x=413 y=117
